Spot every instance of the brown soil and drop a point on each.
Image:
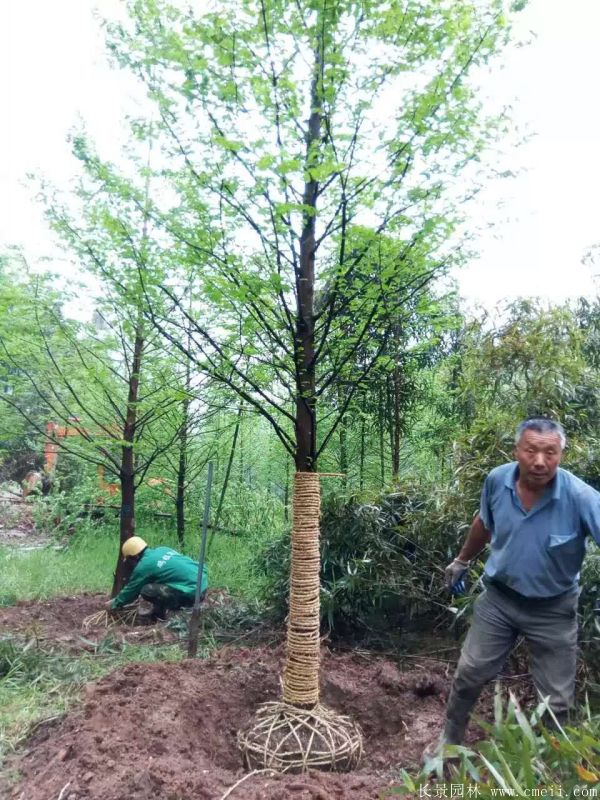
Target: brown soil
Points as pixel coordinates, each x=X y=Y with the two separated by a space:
x=60 y=622
x=167 y=731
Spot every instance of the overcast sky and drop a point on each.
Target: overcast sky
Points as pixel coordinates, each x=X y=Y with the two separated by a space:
x=53 y=74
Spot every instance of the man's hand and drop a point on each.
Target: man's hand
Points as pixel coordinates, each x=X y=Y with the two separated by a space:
x=454 y=572
x=108 y=607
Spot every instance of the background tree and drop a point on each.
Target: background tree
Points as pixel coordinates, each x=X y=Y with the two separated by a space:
x=115 y=385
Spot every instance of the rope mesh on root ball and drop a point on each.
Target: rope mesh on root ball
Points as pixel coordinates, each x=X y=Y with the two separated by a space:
x=291 y=739
x=299 y=733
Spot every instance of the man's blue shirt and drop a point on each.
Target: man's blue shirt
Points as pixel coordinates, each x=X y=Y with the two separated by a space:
x=538 y=553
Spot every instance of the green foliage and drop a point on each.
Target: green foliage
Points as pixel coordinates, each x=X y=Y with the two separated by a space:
x=537 y=361
x=518 y=756
x=77 y=509
x=252 y=512
x=278 y=125
x=27 y=304
x=381 y=561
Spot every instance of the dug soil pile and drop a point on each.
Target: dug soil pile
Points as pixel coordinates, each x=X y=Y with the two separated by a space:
x=60 y=621
x=167 y=731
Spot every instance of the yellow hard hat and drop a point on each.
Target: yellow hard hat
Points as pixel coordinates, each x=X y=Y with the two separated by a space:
x=133 y=546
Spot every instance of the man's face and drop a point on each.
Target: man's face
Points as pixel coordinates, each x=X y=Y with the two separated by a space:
x=538 y=455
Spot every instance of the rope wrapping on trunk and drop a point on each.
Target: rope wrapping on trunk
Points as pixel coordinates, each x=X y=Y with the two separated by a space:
x=301 y=672
x=299 y=733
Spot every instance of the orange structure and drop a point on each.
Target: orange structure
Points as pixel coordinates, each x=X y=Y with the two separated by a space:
x=34 y=480
x=55 y=432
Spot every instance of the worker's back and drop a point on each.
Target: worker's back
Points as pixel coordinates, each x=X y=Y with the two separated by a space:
x=167 y=566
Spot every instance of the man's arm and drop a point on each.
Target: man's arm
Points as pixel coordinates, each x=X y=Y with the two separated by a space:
x=476 y=540
x=131 y=589
x=589 y=513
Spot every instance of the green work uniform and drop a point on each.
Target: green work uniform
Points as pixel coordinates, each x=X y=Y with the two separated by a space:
x=164 y=566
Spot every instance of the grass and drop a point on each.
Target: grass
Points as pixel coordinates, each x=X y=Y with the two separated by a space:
x=85 y=565
x=38 y=684
x=88 y=562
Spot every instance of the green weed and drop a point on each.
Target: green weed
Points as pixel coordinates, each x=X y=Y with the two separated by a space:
x=518 y=756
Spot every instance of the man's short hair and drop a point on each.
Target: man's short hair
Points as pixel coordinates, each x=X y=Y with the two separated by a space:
x=541 y=425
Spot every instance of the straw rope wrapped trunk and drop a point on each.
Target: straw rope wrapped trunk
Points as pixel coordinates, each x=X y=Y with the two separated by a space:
x=299 y=733
x=301 y=673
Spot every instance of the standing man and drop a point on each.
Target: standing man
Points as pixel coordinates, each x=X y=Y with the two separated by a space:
x=162 y=576
x=536 y=517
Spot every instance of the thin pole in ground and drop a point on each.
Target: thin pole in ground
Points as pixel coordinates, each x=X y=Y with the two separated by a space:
x=195 y=619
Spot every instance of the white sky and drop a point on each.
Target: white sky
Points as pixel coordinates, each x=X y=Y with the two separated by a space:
x=53 y=74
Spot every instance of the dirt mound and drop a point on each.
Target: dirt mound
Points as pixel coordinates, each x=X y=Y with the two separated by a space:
x=168 y=731
x=60 y=621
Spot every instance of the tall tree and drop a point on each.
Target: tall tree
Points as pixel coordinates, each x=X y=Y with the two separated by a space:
x=300 y=133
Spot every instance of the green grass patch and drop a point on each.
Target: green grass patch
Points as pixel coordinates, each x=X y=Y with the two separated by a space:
x=87 y=562
x=38 y=684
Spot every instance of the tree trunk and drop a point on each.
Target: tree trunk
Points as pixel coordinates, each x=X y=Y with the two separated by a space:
x=286 y=496
x=183 y=456
x=301 y=671
x=182 y=474
x=229 y=465
x=240 y=436
x=127 y=472
x=382 y=427
x=361 y=470
x=343 y=439
x=396 y=419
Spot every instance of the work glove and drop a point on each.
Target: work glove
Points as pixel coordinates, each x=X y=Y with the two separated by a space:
x=454 y=574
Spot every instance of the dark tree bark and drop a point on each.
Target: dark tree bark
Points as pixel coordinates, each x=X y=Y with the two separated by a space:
x=362 y=454
x=286 y=496
x=127 y=471
x=306 y=418
x=236 y=432
x=182 y=463
x=396 y=419
x=382 y=426
x=343 y=439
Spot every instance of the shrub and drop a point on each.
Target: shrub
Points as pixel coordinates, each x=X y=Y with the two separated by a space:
x=381 y=561
x=518 y=756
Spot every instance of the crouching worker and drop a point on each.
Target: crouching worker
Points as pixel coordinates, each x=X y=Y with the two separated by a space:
x=160 y=575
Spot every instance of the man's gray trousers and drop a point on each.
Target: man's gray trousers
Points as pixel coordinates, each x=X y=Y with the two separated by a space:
x=550 y=628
